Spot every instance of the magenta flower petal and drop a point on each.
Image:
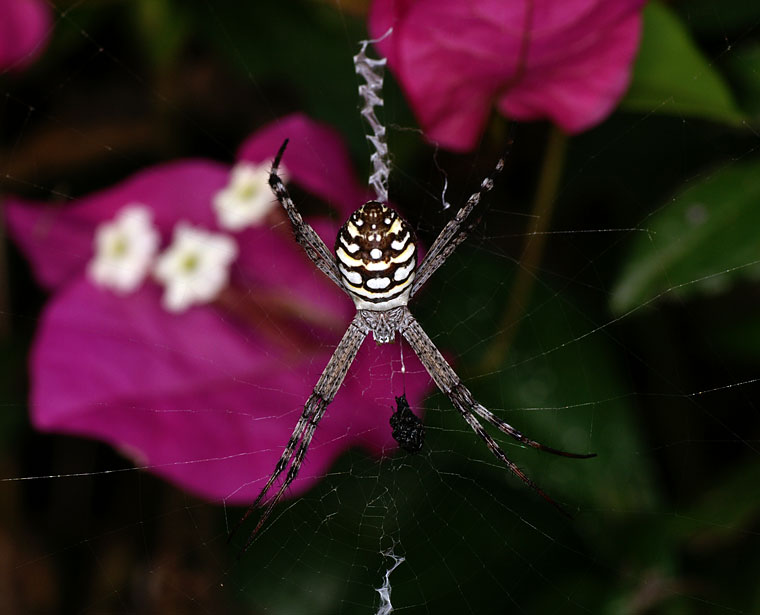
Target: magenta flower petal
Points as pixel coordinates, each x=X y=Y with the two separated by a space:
x=208 y=397
x=196 y=398
x=58 y=239
x=566 y=60
x=316 y=159
x=24 y=28
x=273 y=263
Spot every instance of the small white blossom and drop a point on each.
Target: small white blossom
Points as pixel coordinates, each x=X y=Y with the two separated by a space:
x=195 y=267
x=124 y=250
x=247 y=199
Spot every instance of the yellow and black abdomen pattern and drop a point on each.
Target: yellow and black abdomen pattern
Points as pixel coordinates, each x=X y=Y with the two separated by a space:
x=377 y=257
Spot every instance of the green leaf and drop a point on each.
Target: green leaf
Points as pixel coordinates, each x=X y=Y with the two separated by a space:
x=672 y=76
x=743 y=68
x=702 y=241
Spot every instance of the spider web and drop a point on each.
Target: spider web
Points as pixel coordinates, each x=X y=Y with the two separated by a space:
x=664 y=389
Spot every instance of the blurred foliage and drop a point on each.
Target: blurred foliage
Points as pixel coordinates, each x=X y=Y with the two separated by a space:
x=685 y=247
x=665 y=519
x=706 y=18
x=743 y=66
x=163 y=29
x=672 y=75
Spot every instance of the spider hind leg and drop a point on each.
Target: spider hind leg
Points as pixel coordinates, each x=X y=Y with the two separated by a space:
x=469 y=402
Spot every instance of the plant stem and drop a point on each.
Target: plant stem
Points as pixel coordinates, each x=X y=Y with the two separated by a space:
x=530 y=260
x=5 y=327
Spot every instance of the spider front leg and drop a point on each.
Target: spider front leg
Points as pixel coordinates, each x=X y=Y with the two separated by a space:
x=295 y=450
x=306 y=236
x=449 y=383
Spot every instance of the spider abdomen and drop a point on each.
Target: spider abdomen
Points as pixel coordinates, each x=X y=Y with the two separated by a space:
x=377 y=257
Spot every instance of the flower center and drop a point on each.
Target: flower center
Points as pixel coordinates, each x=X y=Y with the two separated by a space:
x=119 y=247
x=190 y=262
x=248 y=191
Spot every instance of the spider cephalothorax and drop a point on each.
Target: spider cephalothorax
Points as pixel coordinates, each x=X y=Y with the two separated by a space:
x=376 y=257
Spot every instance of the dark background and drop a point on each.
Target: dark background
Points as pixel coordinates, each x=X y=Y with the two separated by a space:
x=656 y=376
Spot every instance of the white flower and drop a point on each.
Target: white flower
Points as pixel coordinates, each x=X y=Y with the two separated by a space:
x=195 y=267
x=124 y=250
x=247 y=199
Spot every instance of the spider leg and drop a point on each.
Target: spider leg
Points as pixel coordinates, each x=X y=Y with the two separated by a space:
x=292 y=471
x=449 y=383
x=457 y=229
x=504 y=427
x=295 y=450
x=306 y=236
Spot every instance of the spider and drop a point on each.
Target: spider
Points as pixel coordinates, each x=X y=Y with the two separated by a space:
x=375 y=263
